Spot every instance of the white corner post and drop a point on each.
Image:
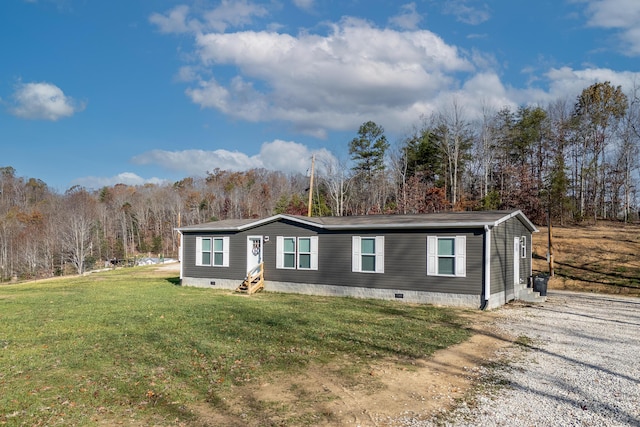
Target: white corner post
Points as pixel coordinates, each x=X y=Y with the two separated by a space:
x=487 y=265
x=181 y=255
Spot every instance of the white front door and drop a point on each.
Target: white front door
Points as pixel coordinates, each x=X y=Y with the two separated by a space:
x=254 y=251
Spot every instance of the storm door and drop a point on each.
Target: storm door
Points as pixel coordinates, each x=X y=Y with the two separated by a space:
x=254 y=251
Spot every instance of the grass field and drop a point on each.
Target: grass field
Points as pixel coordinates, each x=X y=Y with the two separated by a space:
x=131 y=347
x=603 y=257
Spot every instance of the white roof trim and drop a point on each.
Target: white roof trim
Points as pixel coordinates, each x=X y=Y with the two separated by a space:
x=524 y=219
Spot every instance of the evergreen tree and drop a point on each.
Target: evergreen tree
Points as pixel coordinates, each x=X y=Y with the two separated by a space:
x=368 y=149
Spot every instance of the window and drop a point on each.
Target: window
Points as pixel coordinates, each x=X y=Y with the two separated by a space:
x=523 y=247
x=212 y=251
x=304 y=253
x=205 y=253
x=367 y=254
x=446 y=256
x=218 y=252
x=289 y=252
x=299 y=253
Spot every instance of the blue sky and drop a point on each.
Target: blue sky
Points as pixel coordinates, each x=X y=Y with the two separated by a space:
x=96 y=93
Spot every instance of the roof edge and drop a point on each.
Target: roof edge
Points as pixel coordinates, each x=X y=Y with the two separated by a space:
x=319 y=225
x=522 y=217
x=256 y=223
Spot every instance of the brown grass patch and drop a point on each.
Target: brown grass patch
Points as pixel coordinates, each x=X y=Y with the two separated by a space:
x=594 y=258
x=326 y=395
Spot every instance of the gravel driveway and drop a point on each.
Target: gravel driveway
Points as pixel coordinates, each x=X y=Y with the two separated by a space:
x=582 y=368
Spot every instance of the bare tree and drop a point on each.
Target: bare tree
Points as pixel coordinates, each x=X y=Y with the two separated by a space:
x=455 y=136
x=486 y=148
x=334 y=176
x=598 y=110
x=626 y=161
x=77 y=226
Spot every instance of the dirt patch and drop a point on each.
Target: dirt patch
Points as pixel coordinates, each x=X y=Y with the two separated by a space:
x=169 y=266
x=374 y=395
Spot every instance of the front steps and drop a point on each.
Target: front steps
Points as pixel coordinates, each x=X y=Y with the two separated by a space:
x=529 y=295
x=254 y=281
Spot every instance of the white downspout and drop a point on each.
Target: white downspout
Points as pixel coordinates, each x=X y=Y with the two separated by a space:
x=181 y=255
x=487 y=266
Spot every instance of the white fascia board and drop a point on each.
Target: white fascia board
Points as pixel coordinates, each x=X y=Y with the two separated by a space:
x=248 y=225
x=204 y=228
x=258 y=222
x=300 y=221
x=208 y=227
x=524 y=219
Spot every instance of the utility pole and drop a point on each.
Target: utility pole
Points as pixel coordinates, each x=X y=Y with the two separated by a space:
x=313 y=160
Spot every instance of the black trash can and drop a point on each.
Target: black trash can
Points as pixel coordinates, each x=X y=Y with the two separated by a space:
x=540 y=282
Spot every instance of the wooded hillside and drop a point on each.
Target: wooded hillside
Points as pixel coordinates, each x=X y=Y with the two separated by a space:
x=575 y=161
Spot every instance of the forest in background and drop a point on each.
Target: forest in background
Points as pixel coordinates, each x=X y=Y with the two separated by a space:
x=572 y=161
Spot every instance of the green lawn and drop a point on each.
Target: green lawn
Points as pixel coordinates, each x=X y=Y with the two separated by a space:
x=132 y=345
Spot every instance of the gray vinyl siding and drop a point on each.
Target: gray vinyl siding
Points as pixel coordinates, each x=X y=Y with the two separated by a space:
x=502 y=255
x=237 y=258
x=405 y=259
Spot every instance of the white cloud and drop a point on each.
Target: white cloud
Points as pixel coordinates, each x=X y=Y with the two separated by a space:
x=42 y=101
x=128 y=178
x=198 y=162
x=567 y=81
x=614 y=13
x=465 y=11
x=354 y=73
x=408 y=19
x=621 y=15
x=234 y=13
x=229 y=13
x=187 y=74
x=304 y=4
x=284 y=156
x=175 y=21
x=485 y=89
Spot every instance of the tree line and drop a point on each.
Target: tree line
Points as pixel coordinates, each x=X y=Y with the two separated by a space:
x=569 y=161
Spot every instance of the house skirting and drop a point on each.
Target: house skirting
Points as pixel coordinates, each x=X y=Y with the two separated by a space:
x=420 y=297
x=496 y=300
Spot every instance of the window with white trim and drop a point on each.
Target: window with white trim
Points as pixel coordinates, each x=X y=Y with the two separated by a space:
x=218 y=252
x=212 y=251
x=299 y=253
x=304 y=253
x=205 y=252
x=289 y=252
x=367 y=254
x=523 y=247
x=446 y=256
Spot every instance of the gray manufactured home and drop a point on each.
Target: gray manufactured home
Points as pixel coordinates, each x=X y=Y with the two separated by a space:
x=471 y=259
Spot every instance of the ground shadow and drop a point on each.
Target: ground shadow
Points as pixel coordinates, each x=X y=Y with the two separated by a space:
x=174 y=280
